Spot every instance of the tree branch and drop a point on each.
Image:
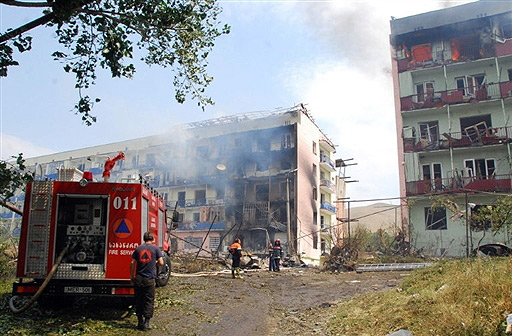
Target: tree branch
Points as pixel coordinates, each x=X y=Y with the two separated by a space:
x=24 y=4
x=11 y=207
x=20 y=30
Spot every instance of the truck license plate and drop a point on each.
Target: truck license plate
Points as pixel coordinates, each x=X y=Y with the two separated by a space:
x=79 y=290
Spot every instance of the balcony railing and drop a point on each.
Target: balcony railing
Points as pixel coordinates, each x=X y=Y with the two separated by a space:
x=473 y=138
x=327 y=185
x=325 y=159
x=502 y=183
x=464 y=54
x=198 y=202
x=328 y=207
x=201 y=226
x=456 y=96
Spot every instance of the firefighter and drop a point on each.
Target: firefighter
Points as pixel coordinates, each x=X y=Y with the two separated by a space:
x=143 y=273
x=236 y=253
x=275 y=256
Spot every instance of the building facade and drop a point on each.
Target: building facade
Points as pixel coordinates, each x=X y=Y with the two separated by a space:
x=452 y=73
x=259 y=176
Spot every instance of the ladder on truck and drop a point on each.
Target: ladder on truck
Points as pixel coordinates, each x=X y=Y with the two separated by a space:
x=38 y=234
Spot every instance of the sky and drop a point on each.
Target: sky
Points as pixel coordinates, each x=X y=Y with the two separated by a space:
x=332 y=56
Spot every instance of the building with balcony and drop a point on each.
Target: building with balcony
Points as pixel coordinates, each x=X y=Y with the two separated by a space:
x=258 y=176
x=452 y=74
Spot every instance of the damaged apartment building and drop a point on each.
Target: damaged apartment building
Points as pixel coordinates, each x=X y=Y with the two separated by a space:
x=452 y=72
x=259 y=176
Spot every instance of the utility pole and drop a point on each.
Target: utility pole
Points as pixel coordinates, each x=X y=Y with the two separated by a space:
x=467 y=227
x=348 y=223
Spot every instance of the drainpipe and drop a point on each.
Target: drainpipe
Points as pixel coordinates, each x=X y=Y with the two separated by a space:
x=452 y=166
x=505 y=119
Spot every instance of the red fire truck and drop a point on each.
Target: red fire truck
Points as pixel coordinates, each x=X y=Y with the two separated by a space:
x=89 y=231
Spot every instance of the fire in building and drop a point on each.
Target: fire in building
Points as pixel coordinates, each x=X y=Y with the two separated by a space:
x=452 y=72
x=258 y=176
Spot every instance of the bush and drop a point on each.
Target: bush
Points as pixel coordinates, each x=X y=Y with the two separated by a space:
x=7 y=262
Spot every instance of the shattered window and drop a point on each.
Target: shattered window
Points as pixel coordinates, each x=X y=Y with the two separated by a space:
x=435 y=219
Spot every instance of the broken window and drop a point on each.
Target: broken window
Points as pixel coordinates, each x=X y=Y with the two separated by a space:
x=432 y=175
x=429 y=131
x=200 y=197
x=435 y=219
x=424 y=91
x=421 y=53
x=261 y=191
x=181 y=198
x=287 y=140
x=481 y=168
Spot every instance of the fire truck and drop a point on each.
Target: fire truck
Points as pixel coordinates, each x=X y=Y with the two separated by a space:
x=77 y=237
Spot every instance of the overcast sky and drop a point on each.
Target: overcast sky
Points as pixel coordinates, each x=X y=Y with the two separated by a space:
x=333 y=56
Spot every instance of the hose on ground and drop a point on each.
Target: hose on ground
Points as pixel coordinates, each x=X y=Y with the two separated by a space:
x=41 y=289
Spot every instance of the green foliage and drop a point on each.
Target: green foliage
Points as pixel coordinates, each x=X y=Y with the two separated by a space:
x=7 y=264
x=13 y=176
x=468 y=297
x=496 y=217
x=178 y=34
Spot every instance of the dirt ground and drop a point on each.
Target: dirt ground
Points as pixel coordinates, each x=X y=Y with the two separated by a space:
x=295 y=301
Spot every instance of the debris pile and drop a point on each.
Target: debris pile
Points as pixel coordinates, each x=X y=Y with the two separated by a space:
x=341 y=259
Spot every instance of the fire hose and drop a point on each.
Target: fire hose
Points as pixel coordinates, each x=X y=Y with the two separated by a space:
x=43 y=286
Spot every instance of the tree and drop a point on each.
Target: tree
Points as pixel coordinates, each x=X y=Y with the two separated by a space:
x=13 y=176
x=178 y=34
x=495 y=217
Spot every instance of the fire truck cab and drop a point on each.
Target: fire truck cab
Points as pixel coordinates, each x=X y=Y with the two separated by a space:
x=100 y=224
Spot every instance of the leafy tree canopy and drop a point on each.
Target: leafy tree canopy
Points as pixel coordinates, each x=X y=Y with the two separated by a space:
x=13 y=175
x=178 y=34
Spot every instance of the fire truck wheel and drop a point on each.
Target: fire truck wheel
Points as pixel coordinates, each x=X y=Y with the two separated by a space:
x=164 y=272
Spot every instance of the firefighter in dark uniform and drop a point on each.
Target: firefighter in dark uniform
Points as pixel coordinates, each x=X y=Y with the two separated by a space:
x=236 y=253
x=143 y=273
x=275 y=256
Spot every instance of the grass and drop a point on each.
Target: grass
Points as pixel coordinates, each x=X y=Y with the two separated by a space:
x=463 y=297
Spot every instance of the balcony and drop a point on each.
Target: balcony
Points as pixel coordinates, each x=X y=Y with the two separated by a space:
x=327 y=163
x=459 y=53
x=439 y=99
x=477 y=137
x=198 y=202
x=327 y=207
x=327 y=186
x=200 y=226
x=500 y=183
